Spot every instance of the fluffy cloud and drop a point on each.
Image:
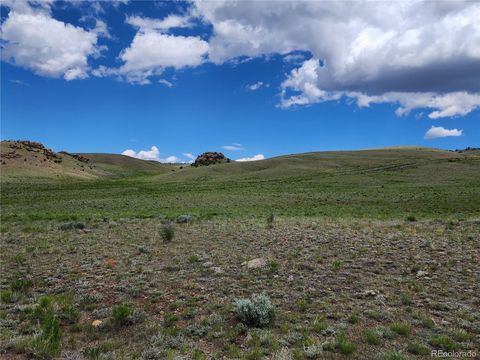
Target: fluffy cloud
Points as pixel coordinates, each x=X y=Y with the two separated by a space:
x=49 y=47
x=253 y=158
x=233 y=147
x=366 y=49
x=152 y=154
x=305 y=79
x=439 y=132
x=170 y=21
x=152 y=50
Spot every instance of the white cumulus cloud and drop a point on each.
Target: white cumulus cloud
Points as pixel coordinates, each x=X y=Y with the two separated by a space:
x=253 y=158
x=34 y=40
x=152 y=50
x=440 y=132
x=152 y=154
x=363 y=49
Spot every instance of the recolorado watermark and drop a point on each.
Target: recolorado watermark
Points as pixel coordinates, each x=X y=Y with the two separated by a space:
x=453 y=354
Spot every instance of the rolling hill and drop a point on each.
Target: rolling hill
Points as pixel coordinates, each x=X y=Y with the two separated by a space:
x=27 y=159
x=126 y=165
x=376 y=183
x=328 y=163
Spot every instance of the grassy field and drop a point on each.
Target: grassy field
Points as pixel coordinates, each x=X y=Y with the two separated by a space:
x=377 y=184
x=363 y=255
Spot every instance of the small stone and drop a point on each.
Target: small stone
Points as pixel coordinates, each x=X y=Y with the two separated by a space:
x=217 y=270
x=207 y=264
x=257 y=263
x=97 y=323
x=421 y=273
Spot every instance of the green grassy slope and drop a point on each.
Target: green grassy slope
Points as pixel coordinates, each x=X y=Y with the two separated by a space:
x=125 y=165
x=320 y=164
x=378 y=184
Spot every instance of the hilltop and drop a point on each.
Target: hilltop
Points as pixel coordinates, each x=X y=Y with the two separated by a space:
x=29 y=159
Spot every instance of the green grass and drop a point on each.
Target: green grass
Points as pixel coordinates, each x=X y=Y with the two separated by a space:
x=401 y=328
x=378 y=184
x=329 y=225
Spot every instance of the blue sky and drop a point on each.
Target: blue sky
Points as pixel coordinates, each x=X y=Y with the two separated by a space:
x=187 y=78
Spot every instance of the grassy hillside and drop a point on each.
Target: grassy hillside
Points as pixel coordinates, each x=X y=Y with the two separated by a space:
x=382 y=184
x=22 y=160
x=125 y=165
x=28 y=161
x=329 y=163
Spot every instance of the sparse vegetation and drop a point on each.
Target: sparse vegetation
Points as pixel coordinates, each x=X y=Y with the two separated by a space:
x=335 y=258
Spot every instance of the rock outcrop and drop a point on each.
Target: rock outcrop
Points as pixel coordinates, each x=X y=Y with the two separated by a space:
x=210 y=158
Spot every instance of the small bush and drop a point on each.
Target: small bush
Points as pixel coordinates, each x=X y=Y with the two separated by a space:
x=353 y=318
x=183 y=219
x=411 y=218
x=418 y=348
x=20 y=283
x=344 y=345
x=373 y=337
x=400 y=328
x=462 y=335
x=406 y=298
x=257 y=311
x=48 y=343
x=7 y=296
x=444 y=342
x=72 y=225
x=270 y=221
x=319 y=325
x=391 y=355
x=120 y=314
x=167 y=232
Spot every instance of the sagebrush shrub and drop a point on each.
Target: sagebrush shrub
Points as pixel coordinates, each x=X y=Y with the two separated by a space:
x=257 y=311
x=167 y=232
x=183 y=219
x=72 y=225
